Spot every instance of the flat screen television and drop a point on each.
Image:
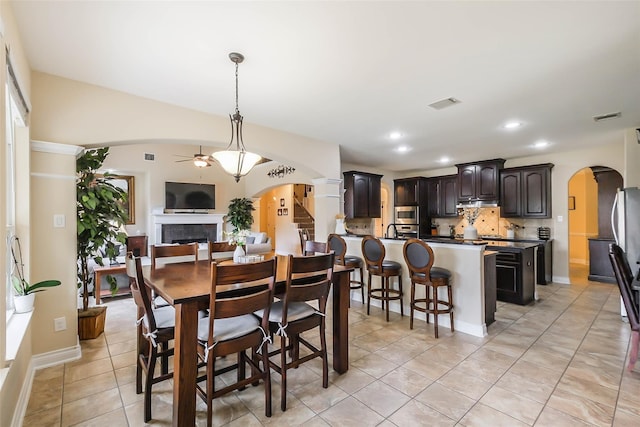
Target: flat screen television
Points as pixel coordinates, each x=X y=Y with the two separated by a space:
x=190 y=197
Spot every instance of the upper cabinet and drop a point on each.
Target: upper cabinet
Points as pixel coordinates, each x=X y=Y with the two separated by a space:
x=525 y=192
x=442 y=196
x=406 y=191
x=478 y=181
x=362 y=195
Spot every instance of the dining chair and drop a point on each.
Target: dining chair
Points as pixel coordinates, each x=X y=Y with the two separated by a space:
x=312 y=247
x=374 y=253
x=419 y=258
x=338 y=245
x=624 y=278
x=308 y=280
x=189 y=250
x=178 y=253
x=232 y=328
x=156 y=327
x=217 y=248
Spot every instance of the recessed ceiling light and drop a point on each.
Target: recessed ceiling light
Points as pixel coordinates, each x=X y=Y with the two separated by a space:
x=512 y=125
x=395 y=135
x=444 y=159
x=402 y=149
x=541 y=144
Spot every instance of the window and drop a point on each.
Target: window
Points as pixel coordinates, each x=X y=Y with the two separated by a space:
x=16 y=111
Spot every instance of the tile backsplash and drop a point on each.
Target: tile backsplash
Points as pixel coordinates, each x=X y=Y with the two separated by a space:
x=489 y=222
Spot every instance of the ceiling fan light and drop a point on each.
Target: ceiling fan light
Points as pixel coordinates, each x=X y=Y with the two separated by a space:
x=200 y=163
x=236 y=163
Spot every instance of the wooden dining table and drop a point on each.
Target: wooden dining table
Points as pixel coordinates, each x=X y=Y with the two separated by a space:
x=186 y=287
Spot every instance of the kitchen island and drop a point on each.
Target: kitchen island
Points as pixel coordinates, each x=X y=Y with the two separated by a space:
x=465 y=260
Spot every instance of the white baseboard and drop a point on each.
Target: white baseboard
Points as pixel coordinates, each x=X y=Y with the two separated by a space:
x=561 y=279
x=40 y=361
x=57 y=357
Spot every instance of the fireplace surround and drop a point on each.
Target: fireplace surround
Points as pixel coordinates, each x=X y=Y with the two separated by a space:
x=179 y=227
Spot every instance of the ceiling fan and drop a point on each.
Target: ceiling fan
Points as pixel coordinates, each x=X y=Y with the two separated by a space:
x=199 y=159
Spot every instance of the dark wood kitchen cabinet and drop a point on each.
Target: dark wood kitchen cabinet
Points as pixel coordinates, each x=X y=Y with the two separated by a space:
x=407 y=191
x=479 y=180
x=525 y=192
x=442 y=196
x=362 y=195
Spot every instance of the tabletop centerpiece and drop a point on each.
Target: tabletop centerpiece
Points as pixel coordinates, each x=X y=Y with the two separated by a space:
x=471 y=214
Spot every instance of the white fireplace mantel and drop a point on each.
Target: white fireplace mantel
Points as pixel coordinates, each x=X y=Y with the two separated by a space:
x=188 y=218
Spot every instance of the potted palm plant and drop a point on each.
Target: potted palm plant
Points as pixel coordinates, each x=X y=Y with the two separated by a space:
x=100 y=215
x=24 y=292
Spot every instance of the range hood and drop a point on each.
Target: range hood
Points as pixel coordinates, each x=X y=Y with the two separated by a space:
x=471 y=203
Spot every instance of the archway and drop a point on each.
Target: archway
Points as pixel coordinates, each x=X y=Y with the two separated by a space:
x=591 y=194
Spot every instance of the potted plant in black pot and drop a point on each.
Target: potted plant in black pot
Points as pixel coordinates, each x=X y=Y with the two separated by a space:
x=100 y=215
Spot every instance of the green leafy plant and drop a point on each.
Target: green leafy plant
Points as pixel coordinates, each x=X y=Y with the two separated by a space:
x=20 y=285
x=239 y=214
x=100 y=216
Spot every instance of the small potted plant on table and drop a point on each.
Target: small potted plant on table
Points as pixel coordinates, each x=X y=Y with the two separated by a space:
x=241 y=218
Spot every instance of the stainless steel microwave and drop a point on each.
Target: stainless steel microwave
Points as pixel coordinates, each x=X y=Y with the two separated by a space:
x=406 y=215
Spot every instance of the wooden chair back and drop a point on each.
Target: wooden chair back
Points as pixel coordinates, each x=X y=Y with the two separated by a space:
x=419 y=258
x=217 y=247
x=140 y=291
x=373 y=252
x=624 y=277
x=171 y=251
x=312 y=247
x=308 y=279
x=338 y=245
x=261 y=274
x=304 y=236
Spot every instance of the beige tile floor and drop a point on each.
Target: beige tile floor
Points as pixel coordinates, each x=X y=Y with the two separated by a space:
x=557 y=362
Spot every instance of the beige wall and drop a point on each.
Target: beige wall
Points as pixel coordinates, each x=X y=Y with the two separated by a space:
x=12 y=377
x=53 y=250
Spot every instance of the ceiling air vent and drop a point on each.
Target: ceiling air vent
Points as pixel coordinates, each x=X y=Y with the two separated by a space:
x=444 y=103
x=150 y=157
x=607 y=116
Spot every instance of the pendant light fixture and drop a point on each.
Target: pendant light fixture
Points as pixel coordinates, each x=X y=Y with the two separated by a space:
x=235 y=159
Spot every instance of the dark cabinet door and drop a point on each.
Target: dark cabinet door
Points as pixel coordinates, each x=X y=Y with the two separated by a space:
x=479 y=181
x=449 y=196
x=536 y=193
x=510 y=194
x=375 y=210
x=362 y=195
x=487 y=181
x=433 y=197
x=406 y=192
x=526 y=192
x=467 y=182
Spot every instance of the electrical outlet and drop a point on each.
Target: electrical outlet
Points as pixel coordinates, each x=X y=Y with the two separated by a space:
x=59 y=324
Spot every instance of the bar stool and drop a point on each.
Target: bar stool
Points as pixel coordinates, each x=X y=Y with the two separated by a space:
x=374 y=253
x=337 y=244
x=419 y=258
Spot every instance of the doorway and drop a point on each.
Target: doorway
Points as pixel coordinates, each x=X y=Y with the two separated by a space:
x=591 y=194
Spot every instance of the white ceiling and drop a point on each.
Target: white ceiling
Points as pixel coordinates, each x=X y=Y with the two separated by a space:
x=352 y=72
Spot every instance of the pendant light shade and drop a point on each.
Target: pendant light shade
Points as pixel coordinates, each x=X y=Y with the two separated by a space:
x=235 y=159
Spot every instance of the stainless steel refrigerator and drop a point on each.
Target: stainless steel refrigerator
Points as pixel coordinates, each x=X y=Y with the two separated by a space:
x=625 y=222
